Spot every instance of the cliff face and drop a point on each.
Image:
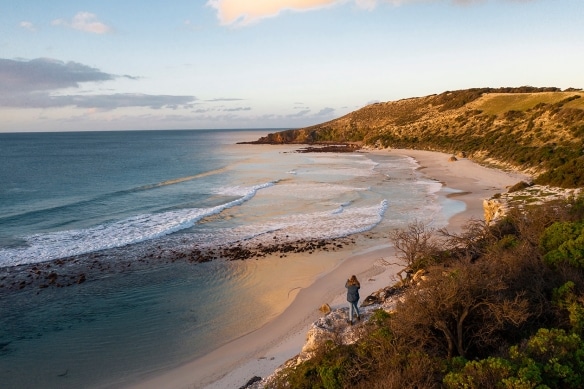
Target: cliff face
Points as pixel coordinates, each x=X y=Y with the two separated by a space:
x=539 y=130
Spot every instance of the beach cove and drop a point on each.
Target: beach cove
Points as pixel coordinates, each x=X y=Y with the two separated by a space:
x=131 y=253
x=260 y=352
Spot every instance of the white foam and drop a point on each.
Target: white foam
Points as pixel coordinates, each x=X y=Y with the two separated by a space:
x=312 y=190
x=45 y=247
x=316 y=225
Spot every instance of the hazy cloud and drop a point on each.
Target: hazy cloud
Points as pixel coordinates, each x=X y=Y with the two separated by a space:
x=237 y=109
x=99 y=102
x=304 y=112
x=245 y=12
x=224 y=99
x=45 y=74
x=27 y=26
x=121 y=100
x=325 y=111
x=84 y=21
x=31 y=84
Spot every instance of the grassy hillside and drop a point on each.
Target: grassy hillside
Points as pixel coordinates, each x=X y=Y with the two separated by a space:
x=539 y=130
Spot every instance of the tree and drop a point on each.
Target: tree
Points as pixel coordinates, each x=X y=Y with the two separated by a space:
x=460 y=308
x=416 y=245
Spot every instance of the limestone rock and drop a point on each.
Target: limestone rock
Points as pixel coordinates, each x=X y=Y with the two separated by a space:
x=419 y=276
x=493 y=210
x=325 y=308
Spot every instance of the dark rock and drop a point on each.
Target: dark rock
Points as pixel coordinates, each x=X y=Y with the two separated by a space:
x=251 y=381
x=519 y=186
x=380 y=296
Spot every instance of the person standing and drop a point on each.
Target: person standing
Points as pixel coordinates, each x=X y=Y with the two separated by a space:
x=353 y=286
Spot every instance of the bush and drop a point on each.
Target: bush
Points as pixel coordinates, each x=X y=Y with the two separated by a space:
x=549 y=359
x=566 y=298
x=563 y=243
x=485 y=373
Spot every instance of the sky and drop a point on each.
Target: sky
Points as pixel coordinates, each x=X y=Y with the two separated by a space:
x=213 y=64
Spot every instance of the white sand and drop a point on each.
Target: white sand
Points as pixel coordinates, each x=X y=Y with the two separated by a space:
x=262 y=351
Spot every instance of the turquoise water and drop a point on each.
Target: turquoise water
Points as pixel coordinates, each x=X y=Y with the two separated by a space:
x=124 y=195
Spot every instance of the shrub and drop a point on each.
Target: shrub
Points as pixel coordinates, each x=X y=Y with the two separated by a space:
x=549 y=359
x=563 y=243
x=565 y=298
x=485 y=373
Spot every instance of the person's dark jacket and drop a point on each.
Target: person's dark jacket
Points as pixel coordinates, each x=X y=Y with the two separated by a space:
x=352 y=292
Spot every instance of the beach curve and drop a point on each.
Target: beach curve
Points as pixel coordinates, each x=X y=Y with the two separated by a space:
x=260 y=352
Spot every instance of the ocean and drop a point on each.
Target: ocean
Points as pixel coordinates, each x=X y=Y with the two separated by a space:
x=98 y=281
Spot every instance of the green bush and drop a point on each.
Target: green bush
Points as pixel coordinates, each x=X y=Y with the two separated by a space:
x=485 y=373
x=566 y=298
x=549 y=359
x=552 y=358
x=563 y=243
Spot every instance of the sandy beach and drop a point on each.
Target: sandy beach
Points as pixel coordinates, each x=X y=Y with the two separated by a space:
x=260 y=352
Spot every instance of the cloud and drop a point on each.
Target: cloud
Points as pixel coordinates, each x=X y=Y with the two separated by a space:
x=225 y=99
x=245 y=12
x=325 y=111
x=304 y=112
x=32 y=84
x=237 y=109
x=27 y=26
x=98 y=102
x=46 y=74
x=84 y=21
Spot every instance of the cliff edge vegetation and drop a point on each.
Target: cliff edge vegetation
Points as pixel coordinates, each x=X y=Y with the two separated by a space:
x=536 y=130
x=498 y=306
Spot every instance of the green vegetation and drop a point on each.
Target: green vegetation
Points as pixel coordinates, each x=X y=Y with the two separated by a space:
x=502 y=307
x=498 y=104
x=563 y=242
x=549 y=359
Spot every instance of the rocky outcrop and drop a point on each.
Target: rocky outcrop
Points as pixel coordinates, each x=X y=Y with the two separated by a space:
x=334 y=327
x=493 y=209
x=325 y=308
x=522 y=195
x=302 y=136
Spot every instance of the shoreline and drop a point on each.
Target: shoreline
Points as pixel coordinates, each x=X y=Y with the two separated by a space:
x=260 y=352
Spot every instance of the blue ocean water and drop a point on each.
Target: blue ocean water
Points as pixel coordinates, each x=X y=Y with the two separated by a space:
x=73 y=194
x=96 y=186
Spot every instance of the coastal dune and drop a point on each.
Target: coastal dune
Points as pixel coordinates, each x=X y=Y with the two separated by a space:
x=260 y=352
